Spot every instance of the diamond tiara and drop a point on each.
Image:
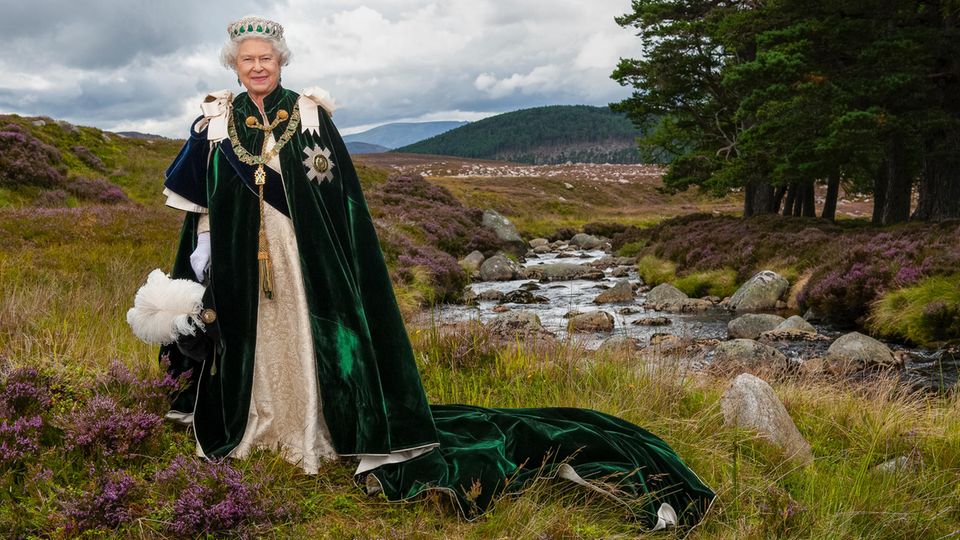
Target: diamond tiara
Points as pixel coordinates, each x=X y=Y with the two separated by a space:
x=255 y=25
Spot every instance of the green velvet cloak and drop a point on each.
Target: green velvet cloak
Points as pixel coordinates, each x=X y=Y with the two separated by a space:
x=373 y=399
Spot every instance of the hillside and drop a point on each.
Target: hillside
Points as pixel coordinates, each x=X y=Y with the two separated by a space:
x=400 y=134
x=541 y=135
x=357 y=147
x=54 y=163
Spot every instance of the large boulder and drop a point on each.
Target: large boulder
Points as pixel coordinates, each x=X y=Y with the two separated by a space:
x=499 y=268
x=586 y=241
x=504 y=230
x=562 y=272
x=593 y=321
x=751 y=325
x=621 y=292
x=796 y=325
x=750 y=403
x=759 y=293
x=855 y=351
x=538 y=242
x=747 y=354
x=514 y=322
x=619 y=342
x=521 y=296
x=665 y=295
x=471 y=263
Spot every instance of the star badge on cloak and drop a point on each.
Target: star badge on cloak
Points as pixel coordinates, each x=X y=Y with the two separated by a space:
x=318 y=163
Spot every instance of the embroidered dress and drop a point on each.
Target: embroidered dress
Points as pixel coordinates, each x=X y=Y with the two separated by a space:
x=324 y=367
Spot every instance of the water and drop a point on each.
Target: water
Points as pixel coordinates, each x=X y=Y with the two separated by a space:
x=923 y=369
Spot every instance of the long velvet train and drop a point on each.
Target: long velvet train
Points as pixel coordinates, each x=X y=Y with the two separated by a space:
x=487 y=452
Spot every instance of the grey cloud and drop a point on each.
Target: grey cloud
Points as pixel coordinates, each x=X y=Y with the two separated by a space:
x=111 y=33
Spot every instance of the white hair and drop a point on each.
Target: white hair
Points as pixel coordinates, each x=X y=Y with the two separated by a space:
x=229 y=52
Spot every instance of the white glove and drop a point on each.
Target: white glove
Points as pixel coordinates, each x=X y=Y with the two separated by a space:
x=200 y=258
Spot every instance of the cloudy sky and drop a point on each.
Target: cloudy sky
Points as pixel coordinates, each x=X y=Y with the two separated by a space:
x=145 y=66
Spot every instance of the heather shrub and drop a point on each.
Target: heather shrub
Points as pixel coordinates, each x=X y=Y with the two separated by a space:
x=562 y=234
x=444 y=222
x=203 y=498
x=406 y=256
x=96 y=190
x=52 y=198
x=27 y=161
x=107 y=504
x=850 y=264
x=604 y=229
x=89 y=158
x=103 y=427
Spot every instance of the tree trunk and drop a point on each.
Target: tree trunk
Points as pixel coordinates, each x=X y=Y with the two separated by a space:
x=896 y=205
x=778 y=198
x=880 y=192
x=798 y=200
x=833 y=191
x=809 y=200
x=940 y=181
x=758 y=199
x=791 y=197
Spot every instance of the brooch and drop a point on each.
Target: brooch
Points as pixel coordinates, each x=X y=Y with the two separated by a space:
x=318 y=163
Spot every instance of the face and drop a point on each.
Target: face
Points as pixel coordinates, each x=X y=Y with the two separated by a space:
x=258 y=67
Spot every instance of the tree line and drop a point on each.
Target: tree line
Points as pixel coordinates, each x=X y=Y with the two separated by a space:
x=777 y=96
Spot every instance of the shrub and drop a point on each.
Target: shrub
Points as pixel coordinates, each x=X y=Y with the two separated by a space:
x=27 y=161
x=107 y=505
x=89 y=158
x=213 y=498
x=604 y=229
x=52 y=198
x=96 y=190
x=102 y=427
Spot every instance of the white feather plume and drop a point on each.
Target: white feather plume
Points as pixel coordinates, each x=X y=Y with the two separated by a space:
x=165 y=309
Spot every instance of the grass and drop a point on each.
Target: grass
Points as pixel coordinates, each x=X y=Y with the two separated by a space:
x=926 y=313
x=69 y=279
x=654 y=271
x=720 y=283
x=538 y=206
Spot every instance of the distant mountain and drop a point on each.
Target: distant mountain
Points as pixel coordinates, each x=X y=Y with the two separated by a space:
x=356 y=147
x=400 y=134
x=541 y=135
x=138 y=135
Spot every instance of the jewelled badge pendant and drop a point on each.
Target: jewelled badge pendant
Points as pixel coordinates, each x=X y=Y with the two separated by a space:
x=318 y=163
x=260 y=176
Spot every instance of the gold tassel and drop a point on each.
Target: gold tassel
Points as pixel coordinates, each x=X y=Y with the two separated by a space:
x=263 y=251
x=266 y=281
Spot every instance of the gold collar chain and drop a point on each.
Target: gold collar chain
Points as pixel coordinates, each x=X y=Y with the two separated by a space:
x=260 y=179
x=265 y=156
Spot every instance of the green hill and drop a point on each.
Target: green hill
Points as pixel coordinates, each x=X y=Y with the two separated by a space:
x=53 y=163
x=541 y=135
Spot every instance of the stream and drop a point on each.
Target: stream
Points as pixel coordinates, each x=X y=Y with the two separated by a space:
x=924 y=369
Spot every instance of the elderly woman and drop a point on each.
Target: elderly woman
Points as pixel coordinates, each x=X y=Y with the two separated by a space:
x=308 y=354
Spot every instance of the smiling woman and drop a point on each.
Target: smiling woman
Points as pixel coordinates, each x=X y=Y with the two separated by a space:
x=303 y=349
